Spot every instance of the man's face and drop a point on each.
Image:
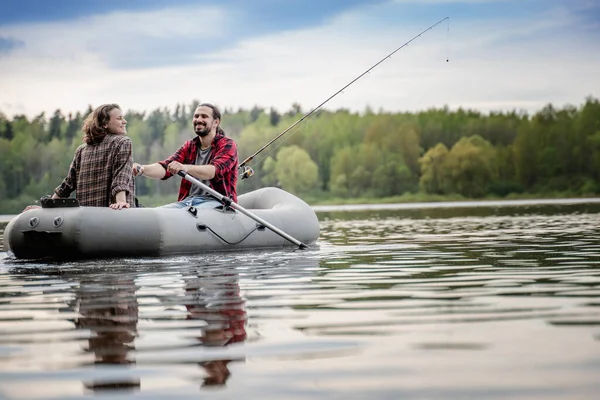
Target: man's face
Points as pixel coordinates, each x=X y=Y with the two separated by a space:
x=203 y=121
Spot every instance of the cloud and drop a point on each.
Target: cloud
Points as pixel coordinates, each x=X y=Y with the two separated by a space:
x=125 y=39
x=8 y=44
x=169 y=35
x=160 y=58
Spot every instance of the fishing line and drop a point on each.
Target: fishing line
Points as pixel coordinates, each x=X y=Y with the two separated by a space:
x=248 y=172
x=448 y=41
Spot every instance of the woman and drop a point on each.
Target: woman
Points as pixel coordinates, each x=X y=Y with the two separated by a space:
x=101 y=171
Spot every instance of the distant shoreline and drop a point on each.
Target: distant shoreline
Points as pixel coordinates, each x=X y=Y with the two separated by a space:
x=433 y=204
x=455 y=204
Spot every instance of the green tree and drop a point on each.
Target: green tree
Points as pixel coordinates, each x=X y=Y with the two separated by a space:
x=255 y=113
x=433 y=173
x=594 y=142
x=341 y=166
x=274 y=117
x=6 y=131
x=392 y=177
x=470 y=166
x=296 y=172
x=74 y=126
x=269 y=177
x=56 y=126
x=365 y=154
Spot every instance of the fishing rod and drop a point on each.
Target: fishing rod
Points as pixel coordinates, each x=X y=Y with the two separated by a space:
x=248 y=171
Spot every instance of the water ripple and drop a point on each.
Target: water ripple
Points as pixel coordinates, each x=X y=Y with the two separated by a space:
x=485 y=306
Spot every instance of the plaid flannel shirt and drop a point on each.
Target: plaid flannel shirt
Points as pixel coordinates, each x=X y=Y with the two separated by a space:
x=99 y=171
x=223 y=157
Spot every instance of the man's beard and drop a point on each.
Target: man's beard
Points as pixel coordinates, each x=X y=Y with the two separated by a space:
x=204 y=132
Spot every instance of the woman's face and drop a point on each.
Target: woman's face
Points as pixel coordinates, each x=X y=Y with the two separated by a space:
x=117 y=123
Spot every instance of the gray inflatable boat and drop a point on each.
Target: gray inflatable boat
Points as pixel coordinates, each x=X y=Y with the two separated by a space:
x=63 y=230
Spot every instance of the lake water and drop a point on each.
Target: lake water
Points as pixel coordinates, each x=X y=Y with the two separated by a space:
x=470 y=302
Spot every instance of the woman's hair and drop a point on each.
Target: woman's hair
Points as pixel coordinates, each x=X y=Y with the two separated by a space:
x=93 y=127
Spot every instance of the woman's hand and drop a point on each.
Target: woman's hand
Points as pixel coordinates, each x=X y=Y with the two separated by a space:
x=119 y=205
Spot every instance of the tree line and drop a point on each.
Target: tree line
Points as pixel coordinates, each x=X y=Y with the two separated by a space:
x=338 y=154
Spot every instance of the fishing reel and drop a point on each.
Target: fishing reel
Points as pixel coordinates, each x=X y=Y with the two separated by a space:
x=247 y=172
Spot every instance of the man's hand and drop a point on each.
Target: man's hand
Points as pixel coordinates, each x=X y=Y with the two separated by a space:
x=175 y=167
x=138 y=169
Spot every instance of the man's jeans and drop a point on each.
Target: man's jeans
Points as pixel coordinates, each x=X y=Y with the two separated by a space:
x=195 y=201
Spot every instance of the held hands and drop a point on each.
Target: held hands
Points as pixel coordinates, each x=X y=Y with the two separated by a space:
x=156 y=171
x=138 y=169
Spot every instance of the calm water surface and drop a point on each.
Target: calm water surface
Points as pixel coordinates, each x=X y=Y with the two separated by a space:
x=435 y=303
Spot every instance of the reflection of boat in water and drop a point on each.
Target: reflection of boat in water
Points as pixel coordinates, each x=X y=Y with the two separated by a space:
x=118 y=326
x=62 y=229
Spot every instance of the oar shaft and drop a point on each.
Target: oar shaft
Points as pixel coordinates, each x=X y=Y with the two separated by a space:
x=230 y=203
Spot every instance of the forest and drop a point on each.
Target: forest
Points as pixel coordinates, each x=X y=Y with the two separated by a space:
x=338 y=156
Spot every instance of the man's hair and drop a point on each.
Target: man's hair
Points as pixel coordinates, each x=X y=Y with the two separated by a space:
x=216 y=115
x=93 y=126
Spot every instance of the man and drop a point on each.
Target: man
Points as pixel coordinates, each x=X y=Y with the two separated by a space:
x=210 y=157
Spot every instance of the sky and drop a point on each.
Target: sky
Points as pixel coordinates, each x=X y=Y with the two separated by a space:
x=486 y=55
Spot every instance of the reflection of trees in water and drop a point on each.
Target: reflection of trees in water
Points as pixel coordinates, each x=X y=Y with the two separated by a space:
x=215 y=299
x=108 y=308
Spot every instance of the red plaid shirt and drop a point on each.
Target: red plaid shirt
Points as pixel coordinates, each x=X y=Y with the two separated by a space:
x=223 y=157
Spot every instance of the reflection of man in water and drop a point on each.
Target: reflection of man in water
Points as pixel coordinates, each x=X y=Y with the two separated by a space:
x=216 y=300
x=109 y=309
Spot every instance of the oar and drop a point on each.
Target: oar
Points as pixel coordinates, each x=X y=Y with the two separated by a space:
x=230 y=203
